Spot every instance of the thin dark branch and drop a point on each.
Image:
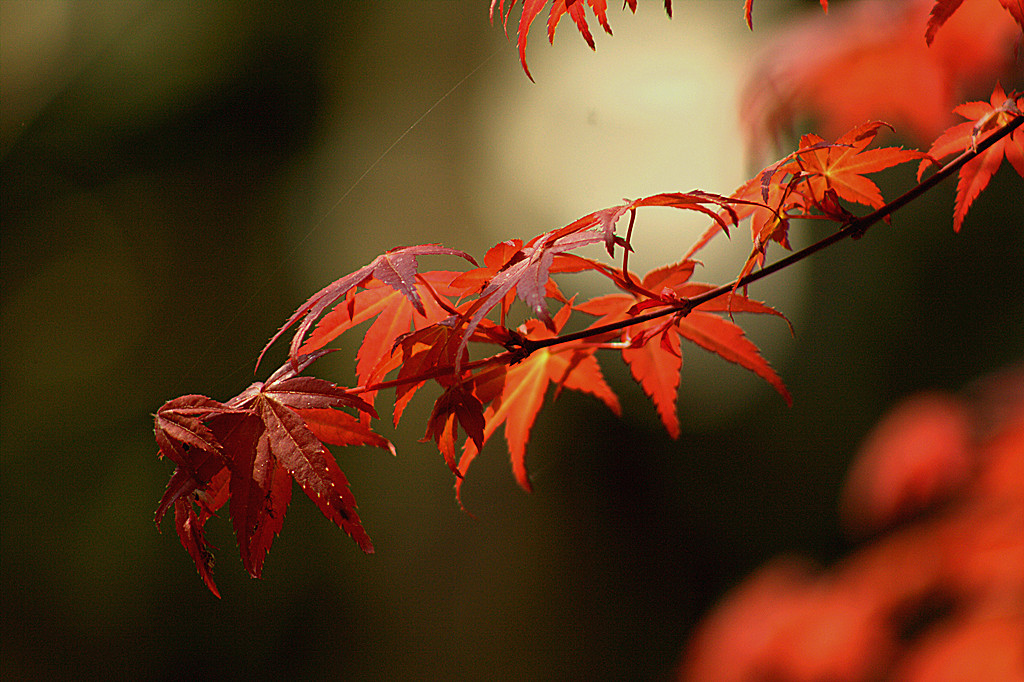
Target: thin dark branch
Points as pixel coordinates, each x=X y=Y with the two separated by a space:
x=855 y=227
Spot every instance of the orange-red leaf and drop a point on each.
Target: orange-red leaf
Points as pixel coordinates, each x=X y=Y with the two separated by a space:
x=655 y=366
x=727 y=340
x=340 y=428
x=559 y=8
x=570 y=366
x=982 y=117
x=393 y=314
x=397 y=269
x=653 y=350
x=841 y=166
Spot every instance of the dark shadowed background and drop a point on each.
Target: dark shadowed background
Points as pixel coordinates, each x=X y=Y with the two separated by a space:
x=178 y=177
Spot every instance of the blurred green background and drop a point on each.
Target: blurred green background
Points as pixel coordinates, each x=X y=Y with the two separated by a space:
x=177 y=177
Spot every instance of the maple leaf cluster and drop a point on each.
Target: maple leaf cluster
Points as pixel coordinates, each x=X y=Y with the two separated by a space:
x=248 y=451
x=422 y=325
x=936 y=597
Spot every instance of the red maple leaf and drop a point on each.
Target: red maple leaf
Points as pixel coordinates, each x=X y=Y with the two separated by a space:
x=462 y=404
x=974 y=176
x=559 y=8
x=652 y=348
x=873 y=614
x=526 y=272
x=808 y=183
x=394 y=315
x=249 y=450
x=570 y=365
x=868 y=60
x=841 y=166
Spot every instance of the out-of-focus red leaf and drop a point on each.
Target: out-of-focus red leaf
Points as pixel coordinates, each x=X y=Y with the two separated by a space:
x=868 y=60
x=916 y=457
x=730 y=644
x=937 y=599
x=984 y=647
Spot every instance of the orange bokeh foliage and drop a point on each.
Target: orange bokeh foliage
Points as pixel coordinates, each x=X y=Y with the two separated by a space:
x=938 y=598
x=870 y=60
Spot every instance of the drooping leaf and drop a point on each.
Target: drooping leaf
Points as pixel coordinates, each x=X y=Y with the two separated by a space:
x=457 y=406
x=194 y=448
x=726 y=339
x=312 y=466
x=260 y=490
x=941 y=11
x=525 y=384
x=559 y=8
x=248 y=450
x=190 y=532
x=179 y=424
x=652 y=349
